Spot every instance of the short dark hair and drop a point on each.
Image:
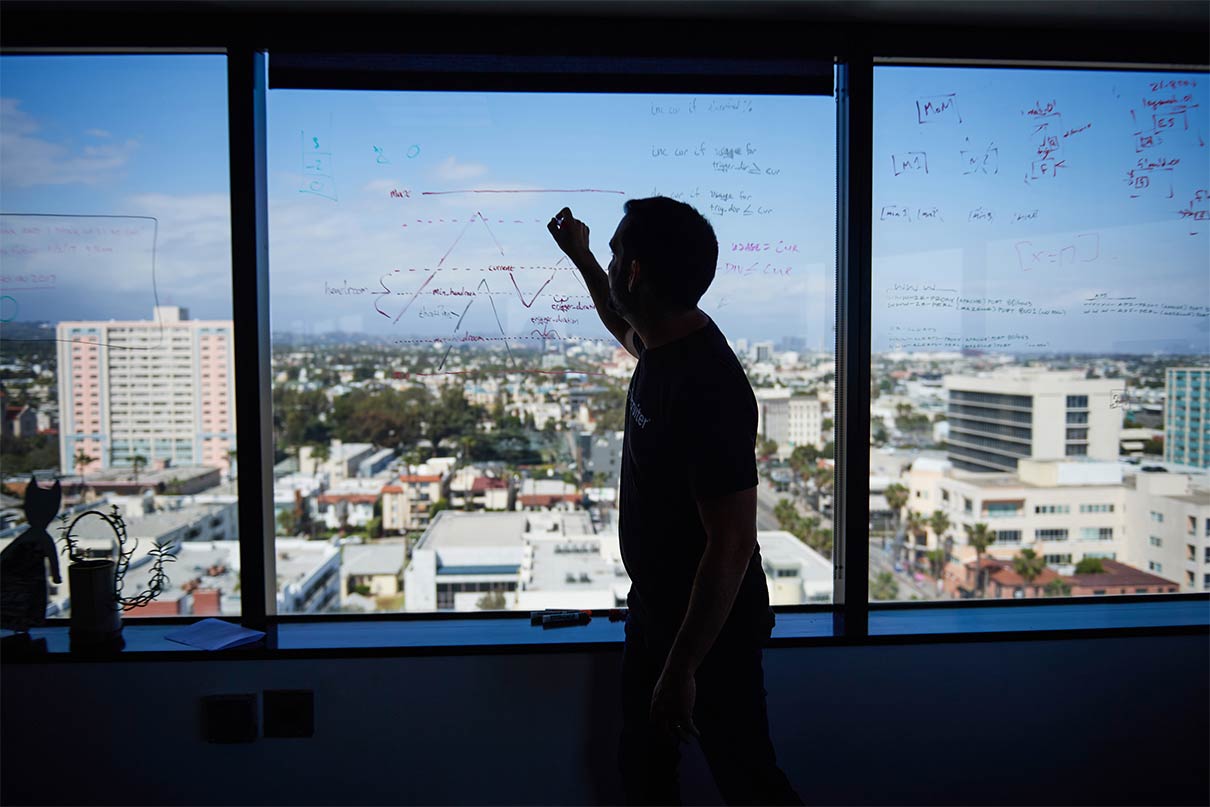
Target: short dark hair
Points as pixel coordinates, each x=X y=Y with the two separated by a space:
x=675 y=245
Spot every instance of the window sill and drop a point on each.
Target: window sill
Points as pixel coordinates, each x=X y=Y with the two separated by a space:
x=888 y=624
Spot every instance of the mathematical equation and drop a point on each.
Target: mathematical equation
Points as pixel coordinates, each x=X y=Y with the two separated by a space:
x=976 y=304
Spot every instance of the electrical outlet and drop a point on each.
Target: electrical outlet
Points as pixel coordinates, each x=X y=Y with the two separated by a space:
x=289 y=713
x=229 y=718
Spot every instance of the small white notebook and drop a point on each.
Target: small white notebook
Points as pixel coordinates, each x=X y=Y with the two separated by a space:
x=214 y=634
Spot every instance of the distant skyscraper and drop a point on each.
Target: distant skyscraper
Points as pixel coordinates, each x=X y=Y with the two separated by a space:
x=1187 y=416
x=763 y=351
x=162 y=389
x=998 y=419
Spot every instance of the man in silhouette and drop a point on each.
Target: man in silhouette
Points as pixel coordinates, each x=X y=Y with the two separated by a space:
x=698 y=606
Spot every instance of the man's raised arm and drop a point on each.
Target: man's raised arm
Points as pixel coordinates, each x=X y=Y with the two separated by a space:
x=571 y=235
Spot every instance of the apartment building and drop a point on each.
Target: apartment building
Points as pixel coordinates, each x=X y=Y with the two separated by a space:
x=1187 y=416
x=1154 y=521
x=408 y=501
x=1168 y=520
x=789 y=420
x=1063 y=510
x=162 y=389
x=998 y=419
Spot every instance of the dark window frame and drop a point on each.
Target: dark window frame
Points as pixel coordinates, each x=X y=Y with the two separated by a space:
x=854 y=42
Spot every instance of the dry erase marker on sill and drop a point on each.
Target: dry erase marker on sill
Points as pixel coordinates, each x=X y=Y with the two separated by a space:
x=566 y=619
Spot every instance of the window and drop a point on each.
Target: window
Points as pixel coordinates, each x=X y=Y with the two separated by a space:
x=1155 y=566
x=410 y=238
x=1158 y=518
x=1008 y=536
x=1156 y=541
x=1058 y=560
x=939 y=359
x=115 y=180
x=981 y=285
x=1003 y=509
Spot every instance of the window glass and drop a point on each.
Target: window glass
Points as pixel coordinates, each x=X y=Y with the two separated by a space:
x=116 y=343
x=1014 y=213
x=448 y=407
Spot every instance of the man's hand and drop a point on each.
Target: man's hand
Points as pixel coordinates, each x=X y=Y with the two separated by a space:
x=672 y=704
x=571 y=235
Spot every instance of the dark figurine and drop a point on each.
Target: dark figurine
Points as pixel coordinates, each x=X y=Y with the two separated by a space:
x=23 y=562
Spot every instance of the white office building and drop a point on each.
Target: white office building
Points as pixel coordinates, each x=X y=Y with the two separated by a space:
x=789 y=420
x=1031 y=413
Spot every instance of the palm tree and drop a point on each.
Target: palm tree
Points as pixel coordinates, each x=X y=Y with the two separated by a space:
x=915 y=528
x=137 y=462
x=940 y=522
x=980 y=537
x=897 y=497
x=1029 y=566
x=82 y=460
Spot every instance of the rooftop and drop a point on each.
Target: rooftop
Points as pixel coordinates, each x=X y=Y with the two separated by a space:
x=373 y=559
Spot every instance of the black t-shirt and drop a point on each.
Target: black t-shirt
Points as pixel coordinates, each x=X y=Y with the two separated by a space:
x=690 y=433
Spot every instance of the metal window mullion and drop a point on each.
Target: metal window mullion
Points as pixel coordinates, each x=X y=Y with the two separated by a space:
x=246 y=95
x=854 y=175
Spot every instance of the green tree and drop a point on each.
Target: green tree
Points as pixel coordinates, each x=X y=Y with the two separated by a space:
x=82 y=460
x=897 y=498
x=299 y=418
x=320 y=453
x=492 y=601
x=1029 y=565
x=1058 y=588
x=884 y=587
x=137 y=463
x=980 y=537
x=1090 y=566
x=451 y=416
x=287 y=523
x=765 y=448
x=803 y=459
x=787 y=515
x=915 y=529
x=939 y=522
x=385 y=417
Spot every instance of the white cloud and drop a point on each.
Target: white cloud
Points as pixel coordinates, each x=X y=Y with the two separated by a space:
x=28 y=160
x=382 y=186
x=450 y=169
x=193 y=249
x=97 y=133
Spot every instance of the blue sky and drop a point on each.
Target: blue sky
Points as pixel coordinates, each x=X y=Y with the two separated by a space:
x=146 y=136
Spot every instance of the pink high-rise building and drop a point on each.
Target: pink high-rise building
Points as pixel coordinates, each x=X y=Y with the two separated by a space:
x=163 y=389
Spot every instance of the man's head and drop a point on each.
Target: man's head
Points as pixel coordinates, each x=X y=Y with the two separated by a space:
x=664 y=257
